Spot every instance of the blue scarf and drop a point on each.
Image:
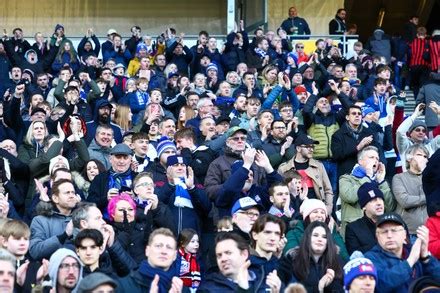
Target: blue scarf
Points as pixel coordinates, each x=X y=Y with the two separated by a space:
x=183 y=199
x=117 y=180
x=165 y=276
x=142 y=98
x=359 y=172
x=260 y=53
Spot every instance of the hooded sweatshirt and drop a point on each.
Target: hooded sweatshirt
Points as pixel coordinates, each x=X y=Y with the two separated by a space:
x=54 y=264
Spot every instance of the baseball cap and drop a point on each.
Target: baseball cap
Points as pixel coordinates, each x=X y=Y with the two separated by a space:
x=304 y=139
x=244 y=204
x=235 y=129
x=390 y=218
x=111 y=31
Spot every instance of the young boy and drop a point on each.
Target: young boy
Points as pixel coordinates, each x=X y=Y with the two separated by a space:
x=139 y=99
x=89 y=247
x=142 y=151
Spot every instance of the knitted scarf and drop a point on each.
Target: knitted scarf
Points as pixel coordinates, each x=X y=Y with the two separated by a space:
x=189 y=269
x=142 y=97
x=261 y=53
x=165 y=277
x=183 y=198
x=117 y=180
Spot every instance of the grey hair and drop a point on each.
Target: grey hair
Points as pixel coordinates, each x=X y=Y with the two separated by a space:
x=362 y=152
x=409 y=153
x=7 y=256
x=81 y=213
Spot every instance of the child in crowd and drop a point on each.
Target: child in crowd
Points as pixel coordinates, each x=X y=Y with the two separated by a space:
x=190 y=274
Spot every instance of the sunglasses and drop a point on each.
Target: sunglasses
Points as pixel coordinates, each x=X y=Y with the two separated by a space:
x=420 y=130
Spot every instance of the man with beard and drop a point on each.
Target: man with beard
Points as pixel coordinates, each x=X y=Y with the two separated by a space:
x=251 y=109
x=167 y=127
x=52 y=228
x=17 y=43
x=278 y=144
x=102 y=117
x=65 y=271
x=220 y=169
x=312 y=171
x=360 y=234
x=249 y=87
x=337 y=25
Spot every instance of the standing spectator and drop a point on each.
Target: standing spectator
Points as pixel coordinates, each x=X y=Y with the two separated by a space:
x=179 y=54
x=85 y=47
x=66 y=56
x=367 y=169
x=312 y=171
x=7 y=263
x=337 y=25
x=429 y=93
x=410 y=29
x=17 y=43
x=351 y=138
x=51 y=230
x=295 y=25
x=188 y=245
x=99 y=148
x=413 y=131
x=118 y=178
x=237 y=44
x=119 y=52
x=419 y=60
x=135 y=39
x=407 y=188
x=380 y=44
x=434 y=45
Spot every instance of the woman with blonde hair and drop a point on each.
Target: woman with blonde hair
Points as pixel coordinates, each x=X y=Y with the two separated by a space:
x=186 y=113
x=123 y=118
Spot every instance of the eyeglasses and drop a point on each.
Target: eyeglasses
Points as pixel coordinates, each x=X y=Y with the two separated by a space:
x=250 y=214
x=68 y=266
x=356 y=113
x=287 y=110
x=420 y=130
x=145 y=184
x=239 y=138
x=386 y=231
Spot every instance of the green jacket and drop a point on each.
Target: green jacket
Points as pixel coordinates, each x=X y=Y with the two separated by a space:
x=351 y=211
x=323 y=134
x=295 y=235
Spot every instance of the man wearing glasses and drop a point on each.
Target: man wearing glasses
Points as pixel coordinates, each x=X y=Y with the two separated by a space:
x=220 y=169
x=414 y=131
x=399 y=263
x=312 y=171
x=278 y=145
x=245 y=212
x=65 y=270
x=351 y=138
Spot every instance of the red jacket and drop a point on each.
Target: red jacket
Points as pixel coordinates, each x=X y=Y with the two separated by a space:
x=433 y=224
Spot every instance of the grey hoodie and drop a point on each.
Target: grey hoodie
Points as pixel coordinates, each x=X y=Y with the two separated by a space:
x=54 y=264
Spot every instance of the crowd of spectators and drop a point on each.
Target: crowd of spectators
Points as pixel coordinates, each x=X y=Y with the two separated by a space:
x=248 y=166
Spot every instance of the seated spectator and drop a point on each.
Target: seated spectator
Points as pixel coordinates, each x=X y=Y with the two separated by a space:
x=314 y=210
x=397 y=262
x=360 y=234
x=315 y=263
x=165 y=148
x=140 y=146
x=282 y=204
x=158 y=270
x=368 y=169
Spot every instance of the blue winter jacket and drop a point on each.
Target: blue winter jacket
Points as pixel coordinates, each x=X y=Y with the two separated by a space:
x=395 y=274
